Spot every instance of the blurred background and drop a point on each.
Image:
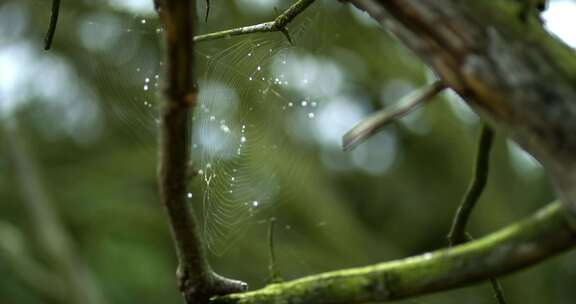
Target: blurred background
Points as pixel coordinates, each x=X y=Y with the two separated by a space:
x=80 y=216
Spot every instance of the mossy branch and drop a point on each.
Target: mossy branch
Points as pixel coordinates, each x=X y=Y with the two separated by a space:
x=277 y=25
x=519 y=245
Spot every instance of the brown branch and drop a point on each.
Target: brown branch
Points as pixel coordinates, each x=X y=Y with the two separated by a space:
x=513 y=73
x=196 y=279
x=277 y=25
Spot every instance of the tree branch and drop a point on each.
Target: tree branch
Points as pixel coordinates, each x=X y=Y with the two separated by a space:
x=375 y=122
x=277 y=25
x=197 y=280
x=496 y=62
x=52 y=25
x=545 y=234
x=457 y=234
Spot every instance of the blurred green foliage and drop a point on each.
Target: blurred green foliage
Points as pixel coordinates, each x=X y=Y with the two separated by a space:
x=92 y=134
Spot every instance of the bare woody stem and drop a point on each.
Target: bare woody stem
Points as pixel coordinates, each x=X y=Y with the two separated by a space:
x=457 y=234
x=277 y=25
x=375 y=122
x=197 y=280
x=519 y=245
x=52 y=26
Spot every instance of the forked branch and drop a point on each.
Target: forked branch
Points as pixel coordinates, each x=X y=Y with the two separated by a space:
x=197 y=280
x=279 y=24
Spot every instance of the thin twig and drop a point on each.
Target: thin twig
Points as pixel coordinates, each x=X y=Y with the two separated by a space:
x=207 y=11
x=277 y=25
x=196 y=279
x=52 y=26
x=498 y=291
x=272 y=267
x=457 y=234
x=378 y=120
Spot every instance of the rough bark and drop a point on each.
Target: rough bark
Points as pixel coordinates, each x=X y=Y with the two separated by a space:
x=507 y=68
x=196 y=279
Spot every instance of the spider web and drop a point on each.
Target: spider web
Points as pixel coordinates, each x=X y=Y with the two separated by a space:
x=240 y=131
x=242 y=123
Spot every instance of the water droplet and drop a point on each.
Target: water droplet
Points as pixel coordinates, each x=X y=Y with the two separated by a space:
x=145 y=87
x=255 y=203
x=311 y=115
x=189 y=195
x=212 y=118
x=304 y=103
x=200 y=172
x=225 y=128
x=208 y=165
x=250 y=78
x=258 y=68
x=314 y=104
x=290 y=104
x=143 y=21
x=249 y=54
x=243 y=139
x=232 y=178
